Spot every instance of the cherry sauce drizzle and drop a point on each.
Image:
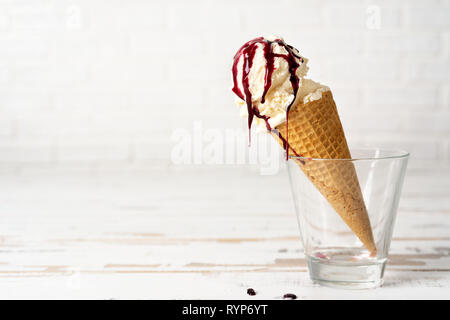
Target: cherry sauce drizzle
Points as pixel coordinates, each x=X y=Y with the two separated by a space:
x=248 y=51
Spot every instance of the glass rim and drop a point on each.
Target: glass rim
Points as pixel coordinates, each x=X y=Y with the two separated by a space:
x=398 y=154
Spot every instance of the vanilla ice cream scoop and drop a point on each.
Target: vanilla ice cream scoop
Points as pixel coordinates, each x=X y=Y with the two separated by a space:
x=268 y=79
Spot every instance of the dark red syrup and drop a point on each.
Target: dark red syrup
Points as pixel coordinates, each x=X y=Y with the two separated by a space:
x=248 y=51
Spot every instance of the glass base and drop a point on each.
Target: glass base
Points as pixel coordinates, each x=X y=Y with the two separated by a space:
x=346 y=269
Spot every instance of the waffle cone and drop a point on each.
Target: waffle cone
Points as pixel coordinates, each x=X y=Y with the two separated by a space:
x=315 y=131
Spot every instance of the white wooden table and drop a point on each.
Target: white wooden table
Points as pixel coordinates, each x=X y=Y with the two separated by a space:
x=204 y=233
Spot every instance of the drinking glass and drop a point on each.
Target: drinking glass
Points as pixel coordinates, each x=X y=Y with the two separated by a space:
x=335 y=255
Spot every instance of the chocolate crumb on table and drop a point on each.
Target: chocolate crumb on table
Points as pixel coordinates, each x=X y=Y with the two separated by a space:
x=290 y=296
x=251 y=292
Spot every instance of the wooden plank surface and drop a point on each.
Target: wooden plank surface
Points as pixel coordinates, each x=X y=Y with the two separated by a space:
x=194 y=233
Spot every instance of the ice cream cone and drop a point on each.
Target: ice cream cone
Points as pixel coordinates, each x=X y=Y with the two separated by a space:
x=315 y=131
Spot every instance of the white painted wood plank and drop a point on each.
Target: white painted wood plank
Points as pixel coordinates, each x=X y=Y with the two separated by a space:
x=180 y=235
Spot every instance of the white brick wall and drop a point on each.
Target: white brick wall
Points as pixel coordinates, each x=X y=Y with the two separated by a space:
x=105 y=82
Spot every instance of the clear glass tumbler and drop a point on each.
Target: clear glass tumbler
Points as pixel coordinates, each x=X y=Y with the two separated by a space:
x=336 y=257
